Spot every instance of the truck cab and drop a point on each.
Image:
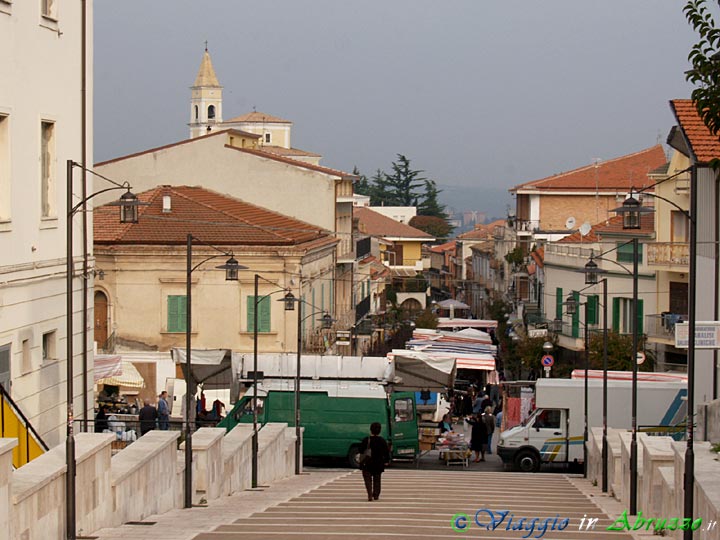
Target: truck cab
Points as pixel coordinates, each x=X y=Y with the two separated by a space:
x=542 y=438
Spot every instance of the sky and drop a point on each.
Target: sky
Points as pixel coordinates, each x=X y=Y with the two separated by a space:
x=481 y=95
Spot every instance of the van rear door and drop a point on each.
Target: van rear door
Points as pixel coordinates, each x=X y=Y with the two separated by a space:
x=404 y=425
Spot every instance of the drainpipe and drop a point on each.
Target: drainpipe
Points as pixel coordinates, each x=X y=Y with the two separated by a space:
x=83 y=151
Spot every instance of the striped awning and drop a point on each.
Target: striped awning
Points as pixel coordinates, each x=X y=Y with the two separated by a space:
x=106 y=365
x=130 y=377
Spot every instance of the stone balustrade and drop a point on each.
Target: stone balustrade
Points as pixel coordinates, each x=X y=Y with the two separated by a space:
x=145 y=478
x=6 y=464
x=708 y=421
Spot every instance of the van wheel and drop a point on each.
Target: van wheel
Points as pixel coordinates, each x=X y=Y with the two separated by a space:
x=353 y=456
x=527 y=461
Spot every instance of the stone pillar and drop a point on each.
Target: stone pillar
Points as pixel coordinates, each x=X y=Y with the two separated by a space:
x=6 y=447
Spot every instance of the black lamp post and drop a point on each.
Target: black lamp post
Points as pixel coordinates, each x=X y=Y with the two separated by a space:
x=231 y=268
x=128 y=214
x=592 y=271
x=631 y=211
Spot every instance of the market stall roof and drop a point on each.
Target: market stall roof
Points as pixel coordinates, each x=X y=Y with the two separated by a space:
x=416 y=371
x=106 y=365
x=445 y=322
x=130 y=377
x=209 y=367
x=452 y=303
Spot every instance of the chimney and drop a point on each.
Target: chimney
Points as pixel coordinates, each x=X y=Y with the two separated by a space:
x=166 y=204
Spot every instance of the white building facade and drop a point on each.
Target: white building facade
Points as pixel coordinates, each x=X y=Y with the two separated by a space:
x=41 y=127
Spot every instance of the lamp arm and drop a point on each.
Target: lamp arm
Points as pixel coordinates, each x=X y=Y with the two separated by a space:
x=614 y=262
x=77 y=207
x=198 y=265
x=687 y=214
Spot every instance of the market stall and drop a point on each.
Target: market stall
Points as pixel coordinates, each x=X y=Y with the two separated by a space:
x=117 y=398
x=453 y=448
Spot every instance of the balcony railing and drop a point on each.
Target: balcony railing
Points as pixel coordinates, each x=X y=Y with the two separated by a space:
x=663 y=325
x=668 y=253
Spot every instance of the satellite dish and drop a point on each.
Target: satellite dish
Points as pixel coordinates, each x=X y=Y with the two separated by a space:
x=585 y=228
x=570 y=223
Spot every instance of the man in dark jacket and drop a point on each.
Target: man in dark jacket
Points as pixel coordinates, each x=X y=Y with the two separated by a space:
x=147 y=416
x=374 y=455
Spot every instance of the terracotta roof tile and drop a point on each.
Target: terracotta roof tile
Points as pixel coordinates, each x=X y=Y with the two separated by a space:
x=376 y=224
x=442 y=248
x=212 y=217
x=611 y=175
x=288 y=152
x=613 y=225
x=258 y=117
x=705 y=145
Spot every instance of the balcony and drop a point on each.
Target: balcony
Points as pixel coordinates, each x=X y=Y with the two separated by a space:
x=662 y=326
x=526 y=226
x=668 y=254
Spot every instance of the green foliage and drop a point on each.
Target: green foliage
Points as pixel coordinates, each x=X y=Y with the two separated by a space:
x=434 y=226
x=530 y=351
x=391 y=295
x=430 y=205
x=380 y=190
x=427 y=319
x=619 y=352
x=515 y=257
x=403 y=183
x=362 y=185
x=705 y=61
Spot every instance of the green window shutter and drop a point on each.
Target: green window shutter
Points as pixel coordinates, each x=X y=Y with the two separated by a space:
x=592 y=309
x=616 y=315
x=640 y=317
x=576 y=316
x=559 y=303
x=625 y=253
x=264 y=315
x=177 y=313
x=250 y=313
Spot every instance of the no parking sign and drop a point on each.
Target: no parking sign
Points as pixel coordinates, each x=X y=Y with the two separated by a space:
x=548 y=360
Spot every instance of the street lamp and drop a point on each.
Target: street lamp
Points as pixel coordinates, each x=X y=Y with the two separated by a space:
x=592 y=271
x=128 y=214
x=231 y=268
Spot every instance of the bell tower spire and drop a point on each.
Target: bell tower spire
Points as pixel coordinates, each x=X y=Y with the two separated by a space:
x=205 y=99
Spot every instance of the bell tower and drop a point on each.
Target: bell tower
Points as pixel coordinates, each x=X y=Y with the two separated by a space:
x=205 y=99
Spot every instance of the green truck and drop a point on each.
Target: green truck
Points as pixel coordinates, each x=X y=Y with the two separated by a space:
x=335 y=414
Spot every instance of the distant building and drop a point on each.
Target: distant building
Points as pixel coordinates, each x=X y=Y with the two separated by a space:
x=401 y=214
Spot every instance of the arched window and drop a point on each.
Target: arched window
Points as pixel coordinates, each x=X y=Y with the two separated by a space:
x=196 y=112
x=211 y=111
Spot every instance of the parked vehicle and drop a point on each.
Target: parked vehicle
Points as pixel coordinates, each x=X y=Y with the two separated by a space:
x=555 y=430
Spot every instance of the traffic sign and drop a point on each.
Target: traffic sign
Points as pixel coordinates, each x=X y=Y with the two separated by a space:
x=548 y=360
x=640 y=357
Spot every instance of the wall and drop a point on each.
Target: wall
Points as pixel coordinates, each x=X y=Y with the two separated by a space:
x=555 y=209
x=40 y=82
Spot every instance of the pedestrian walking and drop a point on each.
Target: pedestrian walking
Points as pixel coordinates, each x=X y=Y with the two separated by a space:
x=489 y=420
x=374 y=456
x=478 y=437
x=163 y=410
x=147 y=416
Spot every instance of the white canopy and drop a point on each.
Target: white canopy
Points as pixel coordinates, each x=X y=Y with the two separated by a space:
x=416 y=371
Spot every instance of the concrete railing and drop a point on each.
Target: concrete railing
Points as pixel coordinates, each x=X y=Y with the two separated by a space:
x=6 y=464
x=237 y=459
x=143 y=479
x=656 y=453
x=708 y=421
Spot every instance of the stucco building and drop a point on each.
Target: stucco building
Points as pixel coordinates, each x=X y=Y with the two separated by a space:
x=41 y=127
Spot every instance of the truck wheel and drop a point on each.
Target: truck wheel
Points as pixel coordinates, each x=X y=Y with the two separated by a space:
x=527 y=461
x=353 y=456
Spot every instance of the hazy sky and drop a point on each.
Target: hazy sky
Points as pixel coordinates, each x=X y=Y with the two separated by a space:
x=481 y=94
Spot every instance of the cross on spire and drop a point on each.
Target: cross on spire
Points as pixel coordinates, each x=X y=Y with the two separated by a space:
x=206 y=45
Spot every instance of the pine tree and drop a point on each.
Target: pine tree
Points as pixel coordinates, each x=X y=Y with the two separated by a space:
x=430 y=205
x=380 y=190
x=362 y=186
x=403 y=183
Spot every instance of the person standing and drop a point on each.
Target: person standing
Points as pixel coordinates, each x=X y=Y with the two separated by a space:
x=147 y=416
x=489 y=420
x=374 y=456
x=163 y=410
x=478 y=437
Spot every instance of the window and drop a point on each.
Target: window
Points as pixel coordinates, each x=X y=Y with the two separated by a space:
x=559 y=303
x=49 y=9
x=267 y=138
x=622 y=316
x=47 y=168
x=404 y=410
x=5 y=367
x=593 y=301
x=679 y=227
x=625 y=253
x=5 y=209
x=177 y=313
x=48 y=346
x=263 y=314
x=196 y=112
x=211 y=112
x=549 y=418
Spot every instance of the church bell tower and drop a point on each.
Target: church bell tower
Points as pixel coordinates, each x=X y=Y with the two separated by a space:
x=205 y=100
